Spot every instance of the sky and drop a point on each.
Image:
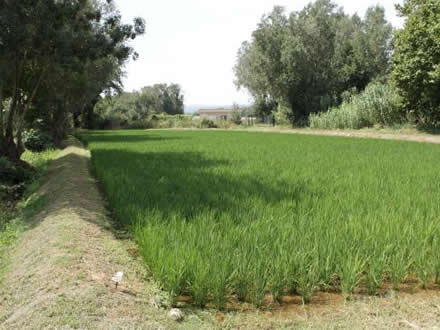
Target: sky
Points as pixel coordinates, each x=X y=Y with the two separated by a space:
x=194 y=43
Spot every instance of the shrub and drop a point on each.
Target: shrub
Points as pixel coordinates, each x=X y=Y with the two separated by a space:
x=225 y=124
x=236 y=117
x=36 y=140
x=163 y=121
x=12 y=173
x=283 y=116
x=377 y=105
x=207 y=123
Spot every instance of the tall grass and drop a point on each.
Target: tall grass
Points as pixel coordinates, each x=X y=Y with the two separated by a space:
x=11 y=216
x=377 y=105
x=217 y=214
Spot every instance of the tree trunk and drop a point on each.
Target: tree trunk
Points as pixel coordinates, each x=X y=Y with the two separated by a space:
x=58 y=124
x=2 y=123
x=9 y=148
x=87 y=121
x=76 y=119
x=1 y=116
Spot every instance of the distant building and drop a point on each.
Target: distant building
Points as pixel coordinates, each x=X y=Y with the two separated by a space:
x=216 y=114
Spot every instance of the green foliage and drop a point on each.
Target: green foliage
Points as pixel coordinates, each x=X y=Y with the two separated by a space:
x=133 y=110
x=13 y=215
x=283 y=115
x=306 y=60
x=12 y=173
x=56 y=58
x=377 y=105
x=39 y=160
x=220 y=213
x=36 y=140
x=416 y=60
x=207 y=123
x=173 y=121
x=236 y=116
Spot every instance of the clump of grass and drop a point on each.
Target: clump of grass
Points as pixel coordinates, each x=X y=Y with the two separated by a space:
x=377 y=105
x=217 y=214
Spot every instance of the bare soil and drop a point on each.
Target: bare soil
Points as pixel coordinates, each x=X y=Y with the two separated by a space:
x=59 y=276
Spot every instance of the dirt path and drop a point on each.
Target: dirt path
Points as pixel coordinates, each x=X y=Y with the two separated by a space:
x=404 y=135
x=59 y=276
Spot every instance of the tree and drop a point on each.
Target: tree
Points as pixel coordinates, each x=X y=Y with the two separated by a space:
x=57 y=56
x=126 y=109
x=28 y=31
x=303 y=63
x=171 y=98
x=259 y=66
x=236 y=114
x=416 y=60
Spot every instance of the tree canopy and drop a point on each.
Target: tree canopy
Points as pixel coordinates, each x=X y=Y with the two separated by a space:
x=57 y=57
x=306 y=60
x=130 y=109
x=416 y=60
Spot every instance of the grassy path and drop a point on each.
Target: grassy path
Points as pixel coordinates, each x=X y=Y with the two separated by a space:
x=59 y=276
x=384 y=134
x=60 y=270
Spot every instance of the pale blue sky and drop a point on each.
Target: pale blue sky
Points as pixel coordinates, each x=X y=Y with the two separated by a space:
x=194 y=42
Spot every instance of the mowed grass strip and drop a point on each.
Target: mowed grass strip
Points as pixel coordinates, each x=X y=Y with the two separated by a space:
x=217 y=214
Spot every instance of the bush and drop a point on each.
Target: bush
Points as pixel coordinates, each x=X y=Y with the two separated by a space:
x=377 y=105
x=163 y=121
x=36 y=140
x=207 y=123
x=283 y=116
x=12 y=173
x=236 y=117
x=225 y=124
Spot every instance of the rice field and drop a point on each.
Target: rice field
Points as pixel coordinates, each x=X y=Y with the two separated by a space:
x=246 y=215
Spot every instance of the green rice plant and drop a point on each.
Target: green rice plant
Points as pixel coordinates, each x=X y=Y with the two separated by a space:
x=424 y=268
x=350 y=273
x=200 y=283
x=220 y=284
x=278 y=273
x=307 y=278
x=374 y=273
x=398 y=268
x=240 y=279
x=259 y=285
x=218 y=213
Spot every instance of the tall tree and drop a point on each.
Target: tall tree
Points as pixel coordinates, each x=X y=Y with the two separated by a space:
x=305 y=62
x=58 y=45
x=416 y=60
x=125 y=109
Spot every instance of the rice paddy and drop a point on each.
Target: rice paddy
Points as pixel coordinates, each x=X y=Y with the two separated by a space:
x=246 y=215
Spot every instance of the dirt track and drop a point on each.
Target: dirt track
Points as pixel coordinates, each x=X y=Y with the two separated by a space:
x=406 y=135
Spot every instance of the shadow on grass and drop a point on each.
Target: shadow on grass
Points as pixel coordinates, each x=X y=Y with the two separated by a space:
x=125 y=137
x=183 y=185
x=429 y=130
